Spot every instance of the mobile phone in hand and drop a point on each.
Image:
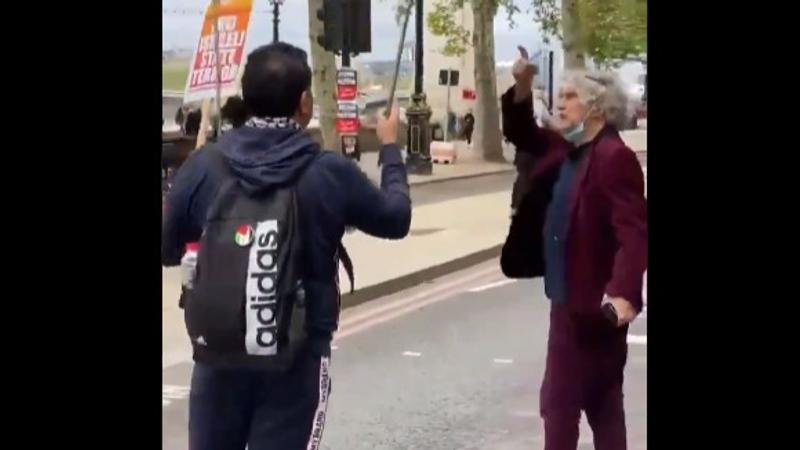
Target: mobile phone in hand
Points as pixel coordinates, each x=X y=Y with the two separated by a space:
x=610 y=313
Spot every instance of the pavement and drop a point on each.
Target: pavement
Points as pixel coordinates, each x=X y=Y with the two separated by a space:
x=469 y=164
x=453 y=364
x=635 y=139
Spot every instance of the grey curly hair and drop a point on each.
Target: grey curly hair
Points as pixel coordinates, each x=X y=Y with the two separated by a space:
x=603 y=90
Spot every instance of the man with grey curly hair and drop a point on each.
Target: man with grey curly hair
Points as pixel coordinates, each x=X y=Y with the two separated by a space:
x=604 y=91
x=582 y=226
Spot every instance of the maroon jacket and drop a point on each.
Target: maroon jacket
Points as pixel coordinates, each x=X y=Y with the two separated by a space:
x=607 y=238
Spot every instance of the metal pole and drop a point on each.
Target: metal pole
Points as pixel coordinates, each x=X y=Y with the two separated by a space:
x=275 y=13
x=356 y=154
x=345 y=33
x=418 y=18
x=219 y=67
x=550 y=82
x=447 y=114
x=418 y=160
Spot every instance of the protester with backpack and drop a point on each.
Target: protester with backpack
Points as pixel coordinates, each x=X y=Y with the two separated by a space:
x=269 y=208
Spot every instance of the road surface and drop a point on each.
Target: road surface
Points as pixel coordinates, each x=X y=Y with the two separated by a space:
x=454 y=364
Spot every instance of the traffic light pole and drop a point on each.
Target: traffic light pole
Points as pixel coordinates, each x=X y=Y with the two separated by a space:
x=348 y=141
x=275 y=21
x=276 y=10
x=345 y=33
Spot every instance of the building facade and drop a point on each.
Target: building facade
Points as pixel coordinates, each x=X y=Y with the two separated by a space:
x=434 y=61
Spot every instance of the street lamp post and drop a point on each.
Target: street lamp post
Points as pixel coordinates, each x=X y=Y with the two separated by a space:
x=418 y=114
x=276 y=6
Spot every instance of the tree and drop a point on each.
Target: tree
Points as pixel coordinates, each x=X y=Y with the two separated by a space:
x=487 y=114
x=607 y=31
x=441 y=22
x=323 y=79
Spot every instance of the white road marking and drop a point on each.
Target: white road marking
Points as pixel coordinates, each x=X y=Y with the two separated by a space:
x=392 y=311
x=503 y=361
x=414 y=354
x=380 y=311
x=486 y=287
x=637 y=339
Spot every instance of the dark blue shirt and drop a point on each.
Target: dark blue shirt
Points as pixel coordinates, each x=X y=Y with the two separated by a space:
x=556 y=227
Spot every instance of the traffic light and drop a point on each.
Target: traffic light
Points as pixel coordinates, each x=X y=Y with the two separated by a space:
x=358 y=27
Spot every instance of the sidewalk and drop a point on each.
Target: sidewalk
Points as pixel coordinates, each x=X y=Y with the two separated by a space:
x=469 y=164
x=636 y=139
x=468 y=229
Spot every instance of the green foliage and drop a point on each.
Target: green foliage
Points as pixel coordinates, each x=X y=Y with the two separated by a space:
x=442 y=22
x=609 y=30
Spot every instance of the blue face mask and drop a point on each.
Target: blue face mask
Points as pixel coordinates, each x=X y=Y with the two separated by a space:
x=575 y=134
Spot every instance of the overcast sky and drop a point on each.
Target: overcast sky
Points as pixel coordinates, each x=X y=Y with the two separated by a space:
x=181 y=29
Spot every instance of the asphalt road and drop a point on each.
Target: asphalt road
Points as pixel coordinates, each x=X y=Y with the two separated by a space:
x=454 y=364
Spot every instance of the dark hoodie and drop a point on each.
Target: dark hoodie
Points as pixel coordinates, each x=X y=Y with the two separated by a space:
x=332 y=192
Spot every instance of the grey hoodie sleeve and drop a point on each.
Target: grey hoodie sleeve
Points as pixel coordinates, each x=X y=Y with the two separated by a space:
x=384 y=212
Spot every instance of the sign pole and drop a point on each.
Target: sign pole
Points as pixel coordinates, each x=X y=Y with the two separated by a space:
x=205 y=109
x=202 y=132
x=447 y=115
x=218 y=68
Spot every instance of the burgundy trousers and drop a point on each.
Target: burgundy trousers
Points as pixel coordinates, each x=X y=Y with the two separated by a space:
x=585 y=361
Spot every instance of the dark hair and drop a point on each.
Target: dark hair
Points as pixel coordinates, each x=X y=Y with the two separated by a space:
x=234 y=111
x=274 y=79
x=193 y=118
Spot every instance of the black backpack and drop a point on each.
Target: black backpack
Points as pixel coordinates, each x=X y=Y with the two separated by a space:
x=247 y=305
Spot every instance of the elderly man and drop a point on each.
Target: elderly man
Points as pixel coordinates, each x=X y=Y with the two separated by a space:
x=584 y=228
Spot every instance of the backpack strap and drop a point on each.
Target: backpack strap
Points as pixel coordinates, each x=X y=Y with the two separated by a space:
x=218 y=164
x=347 y=263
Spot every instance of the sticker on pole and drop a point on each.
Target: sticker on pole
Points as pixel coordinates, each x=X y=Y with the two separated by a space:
x=347 y=121
x=347 y=126
x=346 y=84
x=233 y=18
x=349 y=144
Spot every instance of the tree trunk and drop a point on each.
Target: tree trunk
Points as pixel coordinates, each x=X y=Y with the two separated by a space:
x=574 y=56
x=487 y=113
x=323 y=64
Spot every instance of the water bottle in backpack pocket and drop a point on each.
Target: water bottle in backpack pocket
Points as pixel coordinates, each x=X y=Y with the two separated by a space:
x=188 y=272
